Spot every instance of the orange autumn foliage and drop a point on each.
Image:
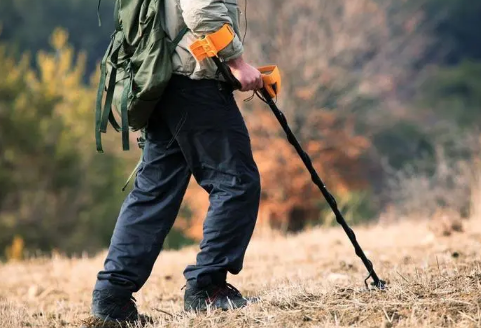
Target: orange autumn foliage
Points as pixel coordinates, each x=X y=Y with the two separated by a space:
x=289 y=195
x=289 y=198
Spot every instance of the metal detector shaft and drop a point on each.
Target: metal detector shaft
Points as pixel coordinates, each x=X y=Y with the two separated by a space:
x=227 y=74
x=225 y=71
x=327 y=195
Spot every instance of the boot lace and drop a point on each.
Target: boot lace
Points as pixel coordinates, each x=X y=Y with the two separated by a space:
x=229 y=290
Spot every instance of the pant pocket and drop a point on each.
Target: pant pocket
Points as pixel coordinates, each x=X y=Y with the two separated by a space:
x=206 y=97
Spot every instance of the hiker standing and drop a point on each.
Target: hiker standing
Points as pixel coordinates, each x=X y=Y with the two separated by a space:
x=196 y=129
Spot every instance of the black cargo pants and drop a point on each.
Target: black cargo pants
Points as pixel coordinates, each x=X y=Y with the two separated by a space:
x=196 y=129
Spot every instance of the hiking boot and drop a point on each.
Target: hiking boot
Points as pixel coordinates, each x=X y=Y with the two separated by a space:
x=110 y=310
x=224 y=297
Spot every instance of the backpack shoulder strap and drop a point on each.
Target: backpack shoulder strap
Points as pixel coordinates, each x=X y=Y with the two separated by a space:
x=179 y=37
x=118 y=26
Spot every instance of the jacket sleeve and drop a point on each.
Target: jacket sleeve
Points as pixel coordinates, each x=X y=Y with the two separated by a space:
x=207 y=16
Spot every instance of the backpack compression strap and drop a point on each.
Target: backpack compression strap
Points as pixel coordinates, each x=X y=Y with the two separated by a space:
x=101 y=118
x=107 y=115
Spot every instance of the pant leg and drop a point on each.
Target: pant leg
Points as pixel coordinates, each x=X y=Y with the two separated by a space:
x=216 y=146
x=148 y=212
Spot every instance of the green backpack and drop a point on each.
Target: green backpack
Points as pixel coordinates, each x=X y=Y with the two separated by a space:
x=137 y=66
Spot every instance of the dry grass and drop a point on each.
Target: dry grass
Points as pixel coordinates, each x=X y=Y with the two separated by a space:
x=309 y=280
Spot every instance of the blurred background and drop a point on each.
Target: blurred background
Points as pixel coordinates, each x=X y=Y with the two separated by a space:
x=385 y=95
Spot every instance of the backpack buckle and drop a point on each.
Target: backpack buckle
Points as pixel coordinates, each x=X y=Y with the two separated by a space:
x=141 y=142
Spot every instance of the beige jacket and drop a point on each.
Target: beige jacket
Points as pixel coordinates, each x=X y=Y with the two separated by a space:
x=201 y=17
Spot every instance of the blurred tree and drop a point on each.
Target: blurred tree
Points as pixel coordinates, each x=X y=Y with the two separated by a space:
x=346 y=67
x=456 y=25
x=350 y=72
x=442 y=115
x=55 y=192
x=290 y=200
x=27 y=25
x=453 y=94
x=412 y=143
x=449 y=93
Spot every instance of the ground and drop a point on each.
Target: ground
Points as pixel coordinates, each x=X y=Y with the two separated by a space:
x=312 y=279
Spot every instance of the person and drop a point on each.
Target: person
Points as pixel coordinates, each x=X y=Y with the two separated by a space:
x=197 y=129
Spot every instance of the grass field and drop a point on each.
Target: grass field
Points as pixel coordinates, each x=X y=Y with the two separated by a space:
x=312 y=279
